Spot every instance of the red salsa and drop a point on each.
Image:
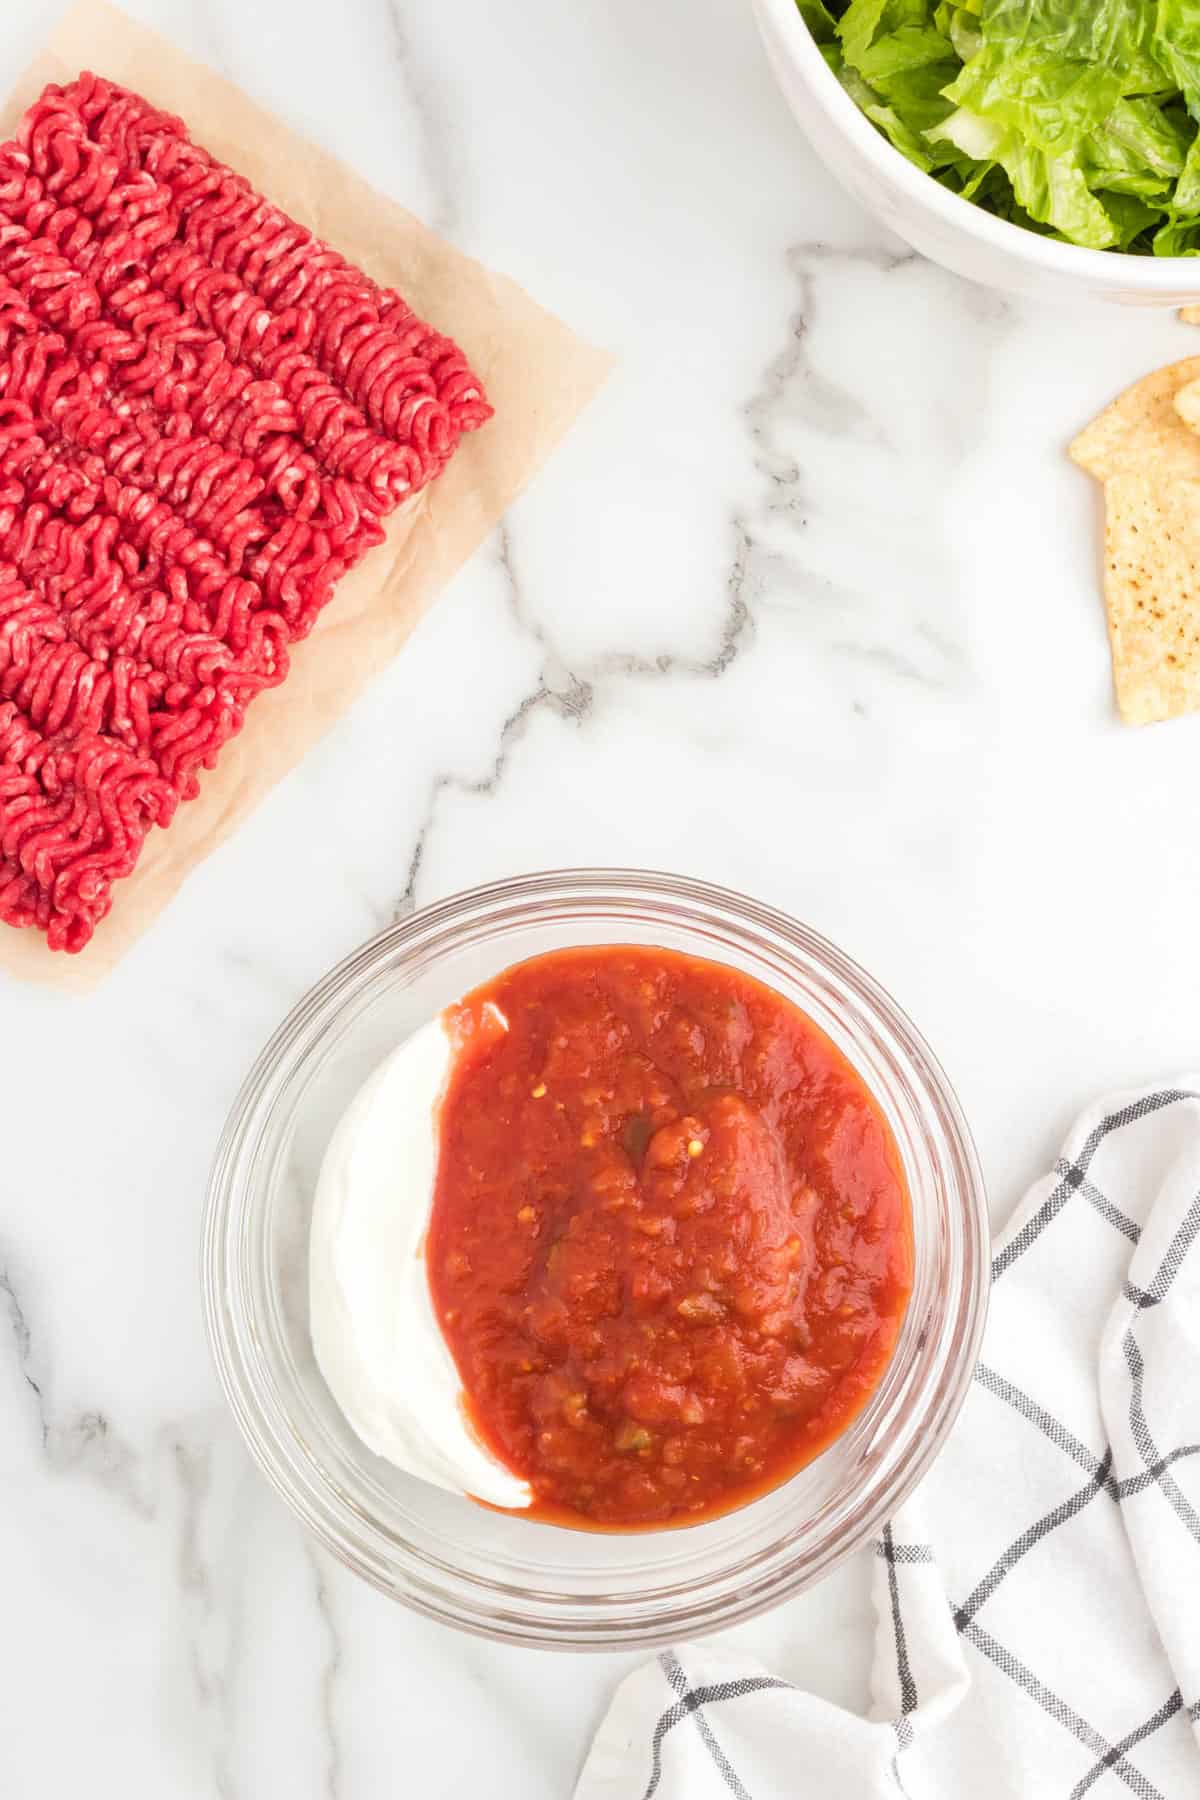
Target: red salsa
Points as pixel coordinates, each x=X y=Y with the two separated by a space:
x=670 y=1245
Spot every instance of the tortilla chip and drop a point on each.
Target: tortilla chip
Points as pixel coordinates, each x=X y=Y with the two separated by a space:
x=1187 y=404
x=1152 y=592
x=1145 y=449
x=1142 y=432
x=1190 y=315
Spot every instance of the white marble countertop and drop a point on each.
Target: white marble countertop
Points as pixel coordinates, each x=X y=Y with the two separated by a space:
x=807 y=604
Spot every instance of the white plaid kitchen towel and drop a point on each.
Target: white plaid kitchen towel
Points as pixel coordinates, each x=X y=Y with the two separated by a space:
x=1038 y=1600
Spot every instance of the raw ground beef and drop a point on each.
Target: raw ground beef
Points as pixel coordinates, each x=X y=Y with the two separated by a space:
x=205 y=414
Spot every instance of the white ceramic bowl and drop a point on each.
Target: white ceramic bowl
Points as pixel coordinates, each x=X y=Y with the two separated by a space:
x=935 y=221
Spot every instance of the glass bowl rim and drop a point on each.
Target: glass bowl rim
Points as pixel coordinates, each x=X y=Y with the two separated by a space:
x=230 y=1201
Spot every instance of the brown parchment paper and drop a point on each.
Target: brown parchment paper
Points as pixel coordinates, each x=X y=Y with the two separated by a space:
x=537 y=375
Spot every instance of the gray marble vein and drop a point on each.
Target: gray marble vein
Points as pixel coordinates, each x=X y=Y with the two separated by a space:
x=425 y=102
x=569 y=693
x=330 y=1673
x=22 y=1344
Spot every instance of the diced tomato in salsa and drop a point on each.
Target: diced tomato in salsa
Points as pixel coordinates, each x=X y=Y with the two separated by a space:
x=671 y=1244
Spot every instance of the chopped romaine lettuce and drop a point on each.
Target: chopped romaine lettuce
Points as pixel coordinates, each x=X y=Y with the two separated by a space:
x=1078 y=118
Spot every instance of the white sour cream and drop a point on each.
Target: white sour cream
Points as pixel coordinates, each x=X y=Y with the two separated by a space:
x=377 y=1340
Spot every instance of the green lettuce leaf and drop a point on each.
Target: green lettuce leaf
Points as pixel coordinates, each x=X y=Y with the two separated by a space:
x=1078 y=118
x=961 y=25
x=912 y=47
x=1051 y=102
x=1130 y=216
x=819 y=19
x=1178 y=237
x=1185 y=201
x=865 y=20
x=1119 y=35
x=1177 y=48
x=908 y=140
x=1138 y=135
x=1051 y=187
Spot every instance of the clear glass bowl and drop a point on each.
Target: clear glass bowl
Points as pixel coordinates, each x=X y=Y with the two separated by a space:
x=507 y=1577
